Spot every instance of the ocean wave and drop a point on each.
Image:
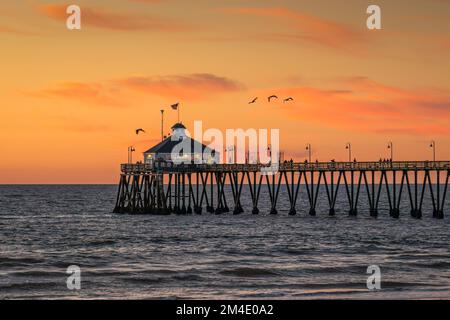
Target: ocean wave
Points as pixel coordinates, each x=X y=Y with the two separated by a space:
x=14 y=196
x=26 y=286
x=187 y=277
x=249 y=272
x=38 y=273
x=19 y=261
x=142 y=280
x=160 y=271
x=101 y=243
x=328 y=291
x=209 y=256
x=430 y=264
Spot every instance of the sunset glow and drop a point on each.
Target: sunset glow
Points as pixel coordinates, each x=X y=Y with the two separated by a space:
x=71 y=99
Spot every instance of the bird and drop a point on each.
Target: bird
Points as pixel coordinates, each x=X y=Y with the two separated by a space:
x=140 y=130
x=253 y=101
x=272 y=97
x=288 y=99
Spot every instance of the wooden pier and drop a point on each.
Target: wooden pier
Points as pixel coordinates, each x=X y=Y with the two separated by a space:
x=165 y=188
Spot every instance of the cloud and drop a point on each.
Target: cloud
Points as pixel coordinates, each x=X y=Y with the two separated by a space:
x=5 y=29
x=304 y=27
x=104 y=19
x=92 y=93
x=186 y=87
x=364 y=105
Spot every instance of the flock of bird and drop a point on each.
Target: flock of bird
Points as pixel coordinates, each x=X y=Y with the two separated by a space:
x=270 y=98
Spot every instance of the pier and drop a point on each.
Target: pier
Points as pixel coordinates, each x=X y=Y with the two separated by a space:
x=166 y=188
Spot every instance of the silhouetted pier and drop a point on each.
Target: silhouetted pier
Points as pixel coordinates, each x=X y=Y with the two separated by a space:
x=165 y=188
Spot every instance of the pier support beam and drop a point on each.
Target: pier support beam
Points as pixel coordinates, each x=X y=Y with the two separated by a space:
x=440 y=214
x=210 y=208
x=292 y=189
x=332 y=191
x=370 y=190
x=254 y=185
x=312 y=192
x=274 y=190
x=396 y=196
x=222 y=206
x=166 y=189
x=416 y=212
x=350 y=190
x=236 y=188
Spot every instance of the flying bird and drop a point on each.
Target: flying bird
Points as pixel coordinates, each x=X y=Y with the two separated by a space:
x=140 y=130
x=272 y=97
x=288 y=99
x=253 y=101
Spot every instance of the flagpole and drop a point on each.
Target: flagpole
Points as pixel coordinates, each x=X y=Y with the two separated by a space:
x=178 y=109
x=162 y=124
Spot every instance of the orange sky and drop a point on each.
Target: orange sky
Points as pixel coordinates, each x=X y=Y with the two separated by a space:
x=70 y=100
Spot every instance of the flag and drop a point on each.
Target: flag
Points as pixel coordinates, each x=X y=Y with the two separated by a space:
x=175 y=106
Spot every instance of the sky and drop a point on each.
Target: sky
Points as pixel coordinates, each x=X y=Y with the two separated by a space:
x=71 y=99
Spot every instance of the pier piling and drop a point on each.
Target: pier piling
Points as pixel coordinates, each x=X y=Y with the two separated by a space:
x=164 y=188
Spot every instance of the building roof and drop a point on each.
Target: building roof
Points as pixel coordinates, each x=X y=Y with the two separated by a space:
x=178 y=125
x=167 y=145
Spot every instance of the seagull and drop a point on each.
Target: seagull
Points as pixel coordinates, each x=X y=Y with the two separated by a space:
x=272 y=97
x=253 y=101
x=140 y=130
x=288 y=99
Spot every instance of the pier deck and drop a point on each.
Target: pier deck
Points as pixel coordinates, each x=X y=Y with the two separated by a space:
x=166 y=188
x=287 y=166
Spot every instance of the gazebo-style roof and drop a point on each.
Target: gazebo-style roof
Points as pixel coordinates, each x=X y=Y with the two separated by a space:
x=167 y=145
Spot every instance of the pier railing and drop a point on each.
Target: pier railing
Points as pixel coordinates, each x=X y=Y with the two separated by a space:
x=164 y=188
x=287 y=166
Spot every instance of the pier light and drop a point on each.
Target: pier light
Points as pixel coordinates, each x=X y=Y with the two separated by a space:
x=309 y=149
x=391 y=148
x=348 y=146
x=433 y=146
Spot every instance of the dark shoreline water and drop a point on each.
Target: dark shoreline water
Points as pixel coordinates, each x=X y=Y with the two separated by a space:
x=46 y=228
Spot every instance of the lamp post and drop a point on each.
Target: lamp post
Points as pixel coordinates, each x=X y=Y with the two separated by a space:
x=348 y=146
x=309 y=149
x=391 y=147
x=433 y=146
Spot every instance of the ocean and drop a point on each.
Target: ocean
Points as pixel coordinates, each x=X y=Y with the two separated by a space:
x=44 y=229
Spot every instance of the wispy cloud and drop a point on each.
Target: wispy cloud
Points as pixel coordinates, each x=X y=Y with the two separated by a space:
x=5 y=29
x=364 y=105
x=105 y=19
x=92 y=93
x=304 y=27
x=187 y=87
